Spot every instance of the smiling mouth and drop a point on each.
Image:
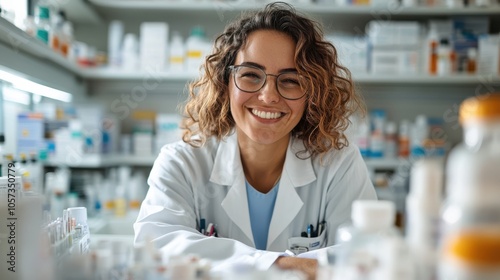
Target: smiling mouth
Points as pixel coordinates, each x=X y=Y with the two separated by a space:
x=266 y=115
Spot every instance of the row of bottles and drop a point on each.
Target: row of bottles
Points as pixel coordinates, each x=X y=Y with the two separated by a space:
x=377 y=137
x=153 y=50
x=51 y=27
x=452 y=229
x=30 y=169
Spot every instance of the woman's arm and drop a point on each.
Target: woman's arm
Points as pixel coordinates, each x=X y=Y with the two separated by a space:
x=307 y=266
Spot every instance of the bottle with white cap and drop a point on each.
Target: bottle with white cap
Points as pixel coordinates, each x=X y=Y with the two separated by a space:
x=423 y=205
x=81 y=238
x=372 y=248
x=470 y=238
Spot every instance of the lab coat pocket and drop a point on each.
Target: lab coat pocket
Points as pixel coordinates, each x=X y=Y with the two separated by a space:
x=300 y=245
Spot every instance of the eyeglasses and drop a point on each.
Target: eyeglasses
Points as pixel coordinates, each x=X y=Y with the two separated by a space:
x=290 y=85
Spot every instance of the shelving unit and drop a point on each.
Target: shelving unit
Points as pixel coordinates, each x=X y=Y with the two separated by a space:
x=103 y=161
x=322 y=8
x=43 y=64
x=78 y=11
x=23 y=44
x=97 y=161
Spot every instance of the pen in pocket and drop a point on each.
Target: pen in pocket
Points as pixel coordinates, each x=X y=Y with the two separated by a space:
x=320 y=228
x=202 y=226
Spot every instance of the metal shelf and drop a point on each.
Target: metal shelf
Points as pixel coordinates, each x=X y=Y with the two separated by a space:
x=20 y=42
x=78 y=11
x=239 y=6
x=101 y=161
x=96 y=161
x=106 y=74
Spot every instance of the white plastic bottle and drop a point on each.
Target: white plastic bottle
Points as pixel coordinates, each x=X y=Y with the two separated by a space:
x=377 y=137
x=423 y=205
x=115 y=37
x=177 y=53
x=196 y=46
x=419 y=133
x=363 y=137
x=444 y=63
x=371 y=247
x=404 y=139
x=66 y=38
x=391 y=140
x=130 y=53
x=470 y=241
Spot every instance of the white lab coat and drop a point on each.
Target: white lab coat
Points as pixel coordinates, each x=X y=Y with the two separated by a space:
x=187 y=184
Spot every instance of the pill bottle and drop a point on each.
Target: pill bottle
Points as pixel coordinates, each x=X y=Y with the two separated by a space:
x=470 y=217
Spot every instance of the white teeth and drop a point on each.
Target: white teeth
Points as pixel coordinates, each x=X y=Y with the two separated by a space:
x=266 y=115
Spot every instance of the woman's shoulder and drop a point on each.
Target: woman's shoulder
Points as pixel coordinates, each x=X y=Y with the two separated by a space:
x=346 y=155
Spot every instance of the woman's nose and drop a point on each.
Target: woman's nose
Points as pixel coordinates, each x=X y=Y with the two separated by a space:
x=269 y=92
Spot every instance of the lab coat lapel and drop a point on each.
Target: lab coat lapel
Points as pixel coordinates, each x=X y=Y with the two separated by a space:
x=296 y=173
x=228 y=171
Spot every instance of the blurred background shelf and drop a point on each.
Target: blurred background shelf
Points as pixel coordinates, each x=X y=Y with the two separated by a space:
x=322 y=8
x=97 y=161
x=101 y=161
x=78 y=11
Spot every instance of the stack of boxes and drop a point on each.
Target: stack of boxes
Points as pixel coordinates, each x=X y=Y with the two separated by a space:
x=394 y=47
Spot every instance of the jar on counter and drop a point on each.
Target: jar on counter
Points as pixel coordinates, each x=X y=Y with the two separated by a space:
x=470 y=236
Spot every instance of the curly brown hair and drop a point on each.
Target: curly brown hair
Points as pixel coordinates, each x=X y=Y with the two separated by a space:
x=331 y=97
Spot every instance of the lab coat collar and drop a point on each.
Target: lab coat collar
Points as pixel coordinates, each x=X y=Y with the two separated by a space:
x=227 y=164
x=229 y=171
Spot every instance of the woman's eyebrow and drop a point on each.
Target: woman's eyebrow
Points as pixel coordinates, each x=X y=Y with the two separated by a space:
x=254 y=64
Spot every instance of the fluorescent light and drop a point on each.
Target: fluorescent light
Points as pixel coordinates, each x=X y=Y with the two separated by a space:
x=15 y=95
x=35 y=88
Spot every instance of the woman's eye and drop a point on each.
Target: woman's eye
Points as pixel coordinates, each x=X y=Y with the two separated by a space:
x=251 y=75
x=290 y=82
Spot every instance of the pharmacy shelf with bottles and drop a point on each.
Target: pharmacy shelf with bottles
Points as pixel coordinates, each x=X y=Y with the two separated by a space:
x=16 y=45
x=13 y=37
x=98 y=161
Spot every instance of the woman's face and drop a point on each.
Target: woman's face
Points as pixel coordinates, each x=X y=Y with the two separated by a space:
x=264 y=116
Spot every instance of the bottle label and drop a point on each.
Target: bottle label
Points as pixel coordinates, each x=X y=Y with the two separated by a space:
x=194 y=54
x=477 y=247
x=176 y=59
x=43 y=35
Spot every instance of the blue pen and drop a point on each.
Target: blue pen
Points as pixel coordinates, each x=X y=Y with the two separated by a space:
x=309 y=231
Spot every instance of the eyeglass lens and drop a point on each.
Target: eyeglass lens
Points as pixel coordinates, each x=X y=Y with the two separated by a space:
x=252 y=79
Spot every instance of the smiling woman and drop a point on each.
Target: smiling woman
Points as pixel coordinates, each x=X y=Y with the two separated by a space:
x=264 y=155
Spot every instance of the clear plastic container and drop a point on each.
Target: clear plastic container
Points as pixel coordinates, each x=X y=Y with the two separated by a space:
x=470 y=240
x=177 y=52
x=371 y=247
x=423 y=205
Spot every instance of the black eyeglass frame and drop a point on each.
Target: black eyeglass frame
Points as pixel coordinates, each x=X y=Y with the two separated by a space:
x=233 y=69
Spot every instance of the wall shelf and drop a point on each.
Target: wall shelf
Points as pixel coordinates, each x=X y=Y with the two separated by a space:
x=77 y=11
x=237 y=6
x=23 y=44
x=106 y=74
x=97 y=161
x=116 y=74
x=30 y=58
x=20 y=41
x=101 y=161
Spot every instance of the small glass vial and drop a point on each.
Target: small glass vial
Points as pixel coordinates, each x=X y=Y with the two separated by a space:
x=472 y=61
x=470 y=236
